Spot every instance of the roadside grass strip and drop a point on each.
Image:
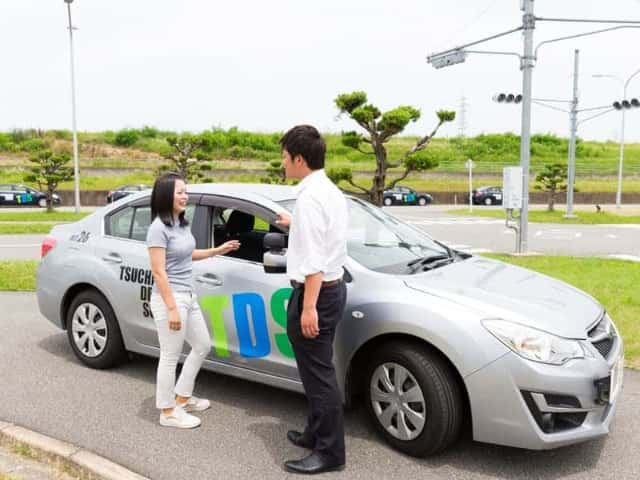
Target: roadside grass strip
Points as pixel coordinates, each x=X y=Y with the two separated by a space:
x=42 y=216
x=539 y=216
x=18 y=275
x=25 y=228
x=614 y=283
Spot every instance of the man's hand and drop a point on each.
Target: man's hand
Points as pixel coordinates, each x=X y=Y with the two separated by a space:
x=284 y=219
x=309 y=323
x=227 y=247
x=174 y=320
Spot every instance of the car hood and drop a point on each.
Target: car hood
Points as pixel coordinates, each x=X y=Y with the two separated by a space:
x=499 y=290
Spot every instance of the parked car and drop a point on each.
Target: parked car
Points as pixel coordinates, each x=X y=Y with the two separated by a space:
x=123 y=191
x=432 y=339
x=405 y=196
x=487 y=196
x=15 y=194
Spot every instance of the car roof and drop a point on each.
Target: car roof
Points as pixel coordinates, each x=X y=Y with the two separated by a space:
x=275 y=193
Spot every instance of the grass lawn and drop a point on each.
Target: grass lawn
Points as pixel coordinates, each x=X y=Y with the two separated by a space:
x=614 y=283
x=42 y=216
x=25 y=228
x=18 y=275
x=542 y=216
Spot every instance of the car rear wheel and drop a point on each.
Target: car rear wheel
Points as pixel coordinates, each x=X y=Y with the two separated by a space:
x=488 y=201
x=93 y=331
x=414 y=400
x=42 y=202
x=387 y=201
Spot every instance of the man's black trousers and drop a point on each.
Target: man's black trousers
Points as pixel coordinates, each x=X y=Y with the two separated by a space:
x=325 y=423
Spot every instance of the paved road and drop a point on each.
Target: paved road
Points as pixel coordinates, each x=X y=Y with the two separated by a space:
x=477 y=234
x=20 y=247
x=243 y=436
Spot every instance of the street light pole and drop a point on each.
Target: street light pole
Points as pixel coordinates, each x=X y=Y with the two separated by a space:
x=76 y=173
x=527 y=64
x=573 y=116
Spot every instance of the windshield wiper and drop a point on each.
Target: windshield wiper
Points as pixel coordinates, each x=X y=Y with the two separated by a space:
x=415 y=265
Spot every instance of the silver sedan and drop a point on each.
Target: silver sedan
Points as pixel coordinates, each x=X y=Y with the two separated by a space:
x=433 y=340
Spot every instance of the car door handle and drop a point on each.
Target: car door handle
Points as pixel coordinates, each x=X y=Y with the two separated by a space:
x=113 y=258
x=209 y=279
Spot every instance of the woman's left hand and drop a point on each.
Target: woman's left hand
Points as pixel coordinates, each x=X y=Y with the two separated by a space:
x=227 y=247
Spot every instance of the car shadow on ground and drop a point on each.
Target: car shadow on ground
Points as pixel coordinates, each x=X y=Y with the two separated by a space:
x=287 y=410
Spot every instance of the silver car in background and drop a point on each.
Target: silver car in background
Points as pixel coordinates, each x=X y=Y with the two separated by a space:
x=432 y=339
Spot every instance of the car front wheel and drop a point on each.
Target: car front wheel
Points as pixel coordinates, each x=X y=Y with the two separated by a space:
x=414 y=400
x=42 y=202
x=93 y=331
x=422 y=201
x=488 y=201
x=387 y=201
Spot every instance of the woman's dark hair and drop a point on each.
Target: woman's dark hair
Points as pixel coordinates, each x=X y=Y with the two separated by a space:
x=162 y=199
x=306 y=141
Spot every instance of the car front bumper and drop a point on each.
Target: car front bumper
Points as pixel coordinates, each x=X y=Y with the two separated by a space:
x=525 y=404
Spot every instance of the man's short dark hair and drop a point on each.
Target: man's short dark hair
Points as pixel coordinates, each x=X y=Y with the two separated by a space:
x=162 y=199
x=306 y=141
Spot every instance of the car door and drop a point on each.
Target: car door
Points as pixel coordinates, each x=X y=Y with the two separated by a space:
x=123 y=251
x=7 y=196
x=244 y=307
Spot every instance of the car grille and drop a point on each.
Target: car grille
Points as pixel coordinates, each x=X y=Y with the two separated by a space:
x=602 y=336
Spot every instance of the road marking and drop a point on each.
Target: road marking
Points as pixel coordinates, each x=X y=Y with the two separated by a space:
x=612 y=236
x=456 y=221
x=21 y=245
x=624 y=256
x=557 y=234
x=468 y=248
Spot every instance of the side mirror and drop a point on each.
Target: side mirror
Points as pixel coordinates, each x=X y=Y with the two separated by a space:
x=274 y=259
x=275 y=241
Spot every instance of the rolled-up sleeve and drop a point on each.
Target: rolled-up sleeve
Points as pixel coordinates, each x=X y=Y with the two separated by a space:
x=311 y=226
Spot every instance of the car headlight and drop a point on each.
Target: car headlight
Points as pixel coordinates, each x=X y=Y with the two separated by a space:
x=534 y=344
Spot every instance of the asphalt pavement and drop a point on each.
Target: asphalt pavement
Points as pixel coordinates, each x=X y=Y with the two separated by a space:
x=112 y=412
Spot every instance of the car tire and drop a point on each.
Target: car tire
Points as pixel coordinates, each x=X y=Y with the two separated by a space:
x=42 y=202
x=440 y=401
x=101 y=346
x=387 y=201
x=422 y=201
x=488 y=201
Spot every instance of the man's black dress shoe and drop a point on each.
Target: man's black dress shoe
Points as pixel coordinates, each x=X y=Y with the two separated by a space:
x=298 y=439
x=313 y=464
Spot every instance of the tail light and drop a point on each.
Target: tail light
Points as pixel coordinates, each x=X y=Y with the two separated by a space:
x=48 y=244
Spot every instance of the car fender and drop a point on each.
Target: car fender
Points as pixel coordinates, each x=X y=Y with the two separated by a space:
x=452 y=329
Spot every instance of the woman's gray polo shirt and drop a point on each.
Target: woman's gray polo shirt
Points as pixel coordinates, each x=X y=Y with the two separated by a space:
x=179 y=245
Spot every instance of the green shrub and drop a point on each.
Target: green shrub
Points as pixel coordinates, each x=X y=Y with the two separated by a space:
x=126 y=137
x=148 y=132
x=33 y=145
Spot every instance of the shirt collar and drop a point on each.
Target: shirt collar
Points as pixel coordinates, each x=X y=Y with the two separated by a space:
x=309 y=179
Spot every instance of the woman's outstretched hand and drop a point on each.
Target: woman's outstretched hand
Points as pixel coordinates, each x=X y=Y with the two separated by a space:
x=227 y=247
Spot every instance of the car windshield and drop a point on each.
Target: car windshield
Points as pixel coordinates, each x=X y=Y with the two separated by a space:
x=381 y=242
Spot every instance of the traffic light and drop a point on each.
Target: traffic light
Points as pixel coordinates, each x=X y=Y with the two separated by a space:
x=626 y=104
x=507 y=98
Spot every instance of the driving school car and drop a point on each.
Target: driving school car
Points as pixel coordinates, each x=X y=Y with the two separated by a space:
x=432 y=338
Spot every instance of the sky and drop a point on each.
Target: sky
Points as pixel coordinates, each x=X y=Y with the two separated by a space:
x=266 y=66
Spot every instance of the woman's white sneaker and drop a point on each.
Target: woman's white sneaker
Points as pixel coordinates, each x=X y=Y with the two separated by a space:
x=195 y=404
x=179 y=419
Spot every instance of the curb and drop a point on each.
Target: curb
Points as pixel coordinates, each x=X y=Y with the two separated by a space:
x=70 y=456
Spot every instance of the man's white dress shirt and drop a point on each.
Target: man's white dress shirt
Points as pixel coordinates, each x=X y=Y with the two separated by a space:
x=318 y=232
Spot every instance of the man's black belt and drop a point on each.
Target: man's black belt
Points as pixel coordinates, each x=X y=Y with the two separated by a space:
x=330 y=283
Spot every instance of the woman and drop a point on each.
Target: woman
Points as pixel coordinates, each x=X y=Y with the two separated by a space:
x=174 y=304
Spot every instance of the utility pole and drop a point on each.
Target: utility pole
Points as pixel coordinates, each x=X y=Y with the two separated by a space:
x=462 y=117
x=76 y=173
x=573 y=128
x=527 y=64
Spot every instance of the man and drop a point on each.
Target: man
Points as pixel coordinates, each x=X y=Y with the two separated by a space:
x=316 y=254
